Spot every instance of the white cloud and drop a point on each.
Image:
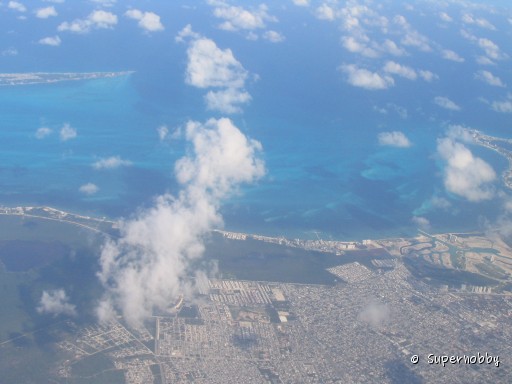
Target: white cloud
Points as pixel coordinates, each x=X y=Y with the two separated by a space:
x=394 y=139
x=186 y=33
x=375 y=314
x=464 y=174
x=210 y=66
x=481 y=22
x=163 y=132
x=227 y=100
x=239 y=18
x=445 y=17
x=491 y=49
x=98 y=19
x=56 y=302
x=392 y=48
x=446 y=103
x=111 y=163
x=421 y=222
x=17 y=6
x=10 y=52
x=273 y=36
x=400 y=70
x=450 y=55
x=50 y=40
x=489 y=78
x=89 y=189
x=460 y=133
x=363 y=78
x=411 y=37
x=42 y=132
x=67 y=132
x=148 y=21
x=484 y=60
x=359 y=45
x=44 y=13
x=427 y=75
x=440 y=202
x=504 y=106
x=301 y=3
x=150 y=265
x=104 y=3
x=325 y=12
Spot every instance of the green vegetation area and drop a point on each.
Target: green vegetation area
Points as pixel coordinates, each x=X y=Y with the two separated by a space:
x=256 y=260
x=90 y=366
x=438 y=275
x=114 y=376
x=492 y=270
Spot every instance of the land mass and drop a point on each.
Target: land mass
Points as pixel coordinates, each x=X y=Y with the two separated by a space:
x=10 y=79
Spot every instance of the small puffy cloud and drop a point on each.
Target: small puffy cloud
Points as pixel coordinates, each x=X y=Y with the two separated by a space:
x=411 y=37
x=484 y=60
x=238 y=18
x=446 y=103
x=227 y=100
x=98 y=19
x=460 y=133
x=445 y=17
x=394 y=139
x=481 y=22
x=363 y=78
x=112 y=162
x=488 y=78
x=427 y=75
x=56 y=302
x=187 y=33
x=325 y=12
x=273 y=36
x=67 y=132
x=440 y=202
x=9 y=52
x=359 y=45
x=301 y=3
x=89 y=189
x=44 y=13
x=421 y=222
x=464 y=174
x=503 y=106
x=390 y=47
x=17 y=6
x=491 y=49
x=104 y=3
x=451 y=55
x=148 y=21
x=210 y=66
x=375 y=314
x=42 y=132
x=400 y=70
x=53 y=41
x=163 y=132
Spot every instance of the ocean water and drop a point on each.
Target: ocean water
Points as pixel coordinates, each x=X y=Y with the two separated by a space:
x=327 y=174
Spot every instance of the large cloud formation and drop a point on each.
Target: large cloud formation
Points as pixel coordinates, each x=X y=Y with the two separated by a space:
x=149 y=266
x=465 y=175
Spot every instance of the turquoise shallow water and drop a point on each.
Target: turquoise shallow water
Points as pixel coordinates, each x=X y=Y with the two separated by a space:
x=324 y=175
x=326 y=171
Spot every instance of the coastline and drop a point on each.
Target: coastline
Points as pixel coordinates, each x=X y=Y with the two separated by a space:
x=31 y=78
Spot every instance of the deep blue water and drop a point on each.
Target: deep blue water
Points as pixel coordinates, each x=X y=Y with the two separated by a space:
x=326 y=171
